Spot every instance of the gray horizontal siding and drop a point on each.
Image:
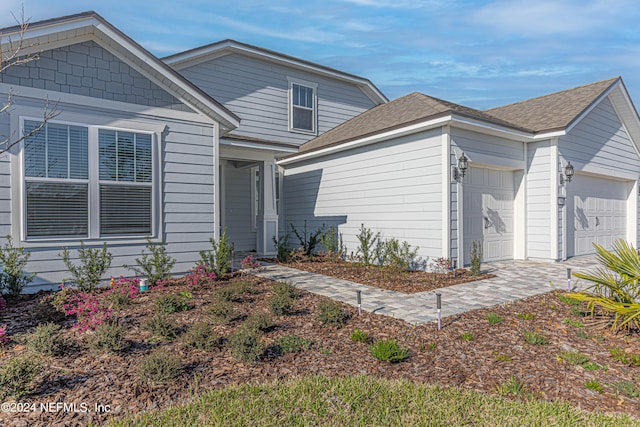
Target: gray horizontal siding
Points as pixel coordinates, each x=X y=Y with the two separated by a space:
x=88 y=69
x=393 y=187
x=474 y=142
x=257 y=91
x=538 y=200
x=187 y=198
x=238 y=219
x=601 y=141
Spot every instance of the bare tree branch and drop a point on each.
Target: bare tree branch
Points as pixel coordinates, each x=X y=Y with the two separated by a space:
x=11 y=56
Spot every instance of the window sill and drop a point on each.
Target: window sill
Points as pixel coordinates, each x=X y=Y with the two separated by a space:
x=302 y=131
x=68 y=241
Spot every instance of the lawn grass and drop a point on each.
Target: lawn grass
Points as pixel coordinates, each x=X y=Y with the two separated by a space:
x=363 y=400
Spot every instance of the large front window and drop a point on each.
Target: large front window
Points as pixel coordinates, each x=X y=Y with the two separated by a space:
x=87 y=182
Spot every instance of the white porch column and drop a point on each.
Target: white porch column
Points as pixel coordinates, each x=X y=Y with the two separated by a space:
x=267 y=221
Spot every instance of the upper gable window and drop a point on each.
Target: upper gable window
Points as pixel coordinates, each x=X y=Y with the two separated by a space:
x=302 y=109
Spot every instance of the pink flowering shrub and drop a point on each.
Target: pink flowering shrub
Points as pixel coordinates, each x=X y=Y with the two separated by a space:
x=200 y=273
x=88 y=308
x=124 y=286
x=3 y=333
x=248 y=263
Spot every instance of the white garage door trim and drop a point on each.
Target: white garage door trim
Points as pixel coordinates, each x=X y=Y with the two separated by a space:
x=488 y=213
x=597 y=212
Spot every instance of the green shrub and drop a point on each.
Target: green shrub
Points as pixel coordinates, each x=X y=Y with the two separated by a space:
x=46 y=339
x=200 y=336
x=331 y=241
x=365 y=250
x=170 y=303
x=245 y=344
x=293 y=343
x=476 y=258
x=308 y=241
x=467 y=336
x=233 y=290
x=282 y=248
x=109 y=337
x=17 y=376
x=220 y=310
x=399 y=255
x=594 y=385
x=13 y=278
x=359 y=336
x=261 y=322
x=535 y=338
x=161 y=326
x=389 y=351
x=93 y=264
x=218 y=258
x=627 y=388
x=156 y=264
x=494 y=319
x=574 y=358
x=331 y=313
x=117 y=299
x=160 y=366
x=283 y=299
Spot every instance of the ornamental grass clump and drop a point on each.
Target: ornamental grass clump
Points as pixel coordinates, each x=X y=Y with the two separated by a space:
x=260 y=321
x=615 y=293
x=47 y=340
x=162 y=326
x=535 y=338
x=109 y=337
x=331 y=313
x=389 y=351
x=17 y=376
x=359 y=336
x=160 y=366
x=201 y=337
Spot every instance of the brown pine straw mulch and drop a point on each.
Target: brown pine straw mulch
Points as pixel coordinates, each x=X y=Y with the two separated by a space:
x=496 y=354
x=408 y=282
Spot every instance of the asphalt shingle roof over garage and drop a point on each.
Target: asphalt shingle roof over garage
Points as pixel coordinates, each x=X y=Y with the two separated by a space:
x=550 y=112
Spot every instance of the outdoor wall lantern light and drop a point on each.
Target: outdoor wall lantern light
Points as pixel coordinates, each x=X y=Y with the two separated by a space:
x=460 y=171
x=568 y=173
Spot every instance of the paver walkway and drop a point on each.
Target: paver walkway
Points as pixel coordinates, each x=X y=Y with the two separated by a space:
x=514 y=280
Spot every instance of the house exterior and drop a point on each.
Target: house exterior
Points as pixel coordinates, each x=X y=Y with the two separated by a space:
x=395 y=169
x=173 y=150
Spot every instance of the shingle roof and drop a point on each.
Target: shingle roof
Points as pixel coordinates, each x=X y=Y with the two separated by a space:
x=409 y=109
x=554 y=111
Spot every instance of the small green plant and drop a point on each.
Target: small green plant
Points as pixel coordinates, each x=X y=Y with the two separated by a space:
x=502 y=358
x=573 y=323
x=94 y=263
x=535 y=338
x=574 y=358
x=494 y=319
x=308 y=241
x=389 y=351
x=526 y=316
x=359 y=336
x=117 y=299
x=201 y=337
x=594 y=385
x=625 y=358
x=367 y=240
x=13 y=277
x=245 y=344
x=218 y=258
x=47 y=340
x=331 y=313
x=170 y=303
x=293 y=343
x=155 y=263
x=467 y=336
x=17 y=376
x=160 y=366
x=627 y=388
x=282 y=248
x=568 y=300
x=161 y=326
x=399 y=255
x=512 y=387
x=591 y=366
x=331 y=241
x=283 y=298
x=109 y=337
x=260 y=321
x=220 y=310
x=476 y=258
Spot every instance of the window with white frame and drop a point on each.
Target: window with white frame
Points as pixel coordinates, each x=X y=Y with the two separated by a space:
x=84 y=182
x=302 y=106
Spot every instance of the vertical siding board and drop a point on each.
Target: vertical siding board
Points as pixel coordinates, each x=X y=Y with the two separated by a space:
x=538 y=209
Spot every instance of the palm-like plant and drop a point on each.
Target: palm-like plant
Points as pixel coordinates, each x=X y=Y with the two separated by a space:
x=616 y=289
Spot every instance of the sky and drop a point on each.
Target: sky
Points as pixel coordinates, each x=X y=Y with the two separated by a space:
x=480 y=54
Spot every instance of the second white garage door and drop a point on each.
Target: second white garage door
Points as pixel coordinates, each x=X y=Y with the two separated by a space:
x=599 y=210
x=488 y=213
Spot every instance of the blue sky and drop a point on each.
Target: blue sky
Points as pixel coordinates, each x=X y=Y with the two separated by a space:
x=477 y=53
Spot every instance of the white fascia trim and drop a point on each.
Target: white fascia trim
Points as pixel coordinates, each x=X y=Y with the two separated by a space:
x=256 y=146
x=55 y=27
x=182 y=60
x=483 y=127
x=549 y=135
x=635 y=120
x=369 y=140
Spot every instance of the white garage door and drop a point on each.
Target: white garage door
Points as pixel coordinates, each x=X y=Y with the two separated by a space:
x=488 y=213
x=599 y=208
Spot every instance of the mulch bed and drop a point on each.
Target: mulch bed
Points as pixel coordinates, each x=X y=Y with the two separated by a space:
x=442 y=357
x=408 y=282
